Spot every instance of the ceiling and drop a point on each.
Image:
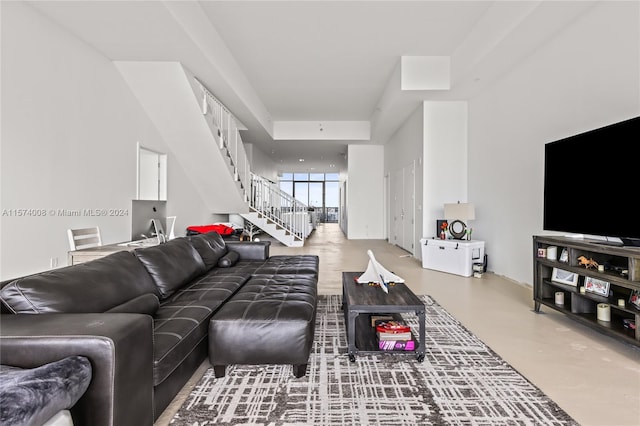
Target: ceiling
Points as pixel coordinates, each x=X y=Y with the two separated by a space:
x=318 y=61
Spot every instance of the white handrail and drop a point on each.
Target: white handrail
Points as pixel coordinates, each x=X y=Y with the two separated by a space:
x=226 y=125
x=278 y=206
x=264 y=196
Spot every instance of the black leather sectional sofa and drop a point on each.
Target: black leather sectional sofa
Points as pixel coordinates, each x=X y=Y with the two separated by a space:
x=143 y=319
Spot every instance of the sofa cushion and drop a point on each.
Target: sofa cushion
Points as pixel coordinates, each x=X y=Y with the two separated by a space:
x=171 y=265
x=89 y=287
x=145 y=304
x=284 y=264
x=33 y=396
x=178 y=328
x=183 y=319
x=214 y=285
x=228 y=260
x=210 y=246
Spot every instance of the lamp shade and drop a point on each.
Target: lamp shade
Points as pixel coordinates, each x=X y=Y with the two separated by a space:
x=461 y=211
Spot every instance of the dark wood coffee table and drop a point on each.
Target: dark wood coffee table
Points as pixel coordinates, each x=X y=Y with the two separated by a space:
x=360 y=299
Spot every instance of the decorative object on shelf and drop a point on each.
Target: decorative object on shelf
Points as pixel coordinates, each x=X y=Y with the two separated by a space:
x=552 y=253
x=542 y=252
x=634 y=298
x=629 y=324
x=564 y=277
x=564 y=256
x=441 y=228
x=458 y=213
x=600 y=268
x=587 y=263
x=559 y=298
x=443 y=225
x=604 y=312
x=594 y=285
x=581 y=302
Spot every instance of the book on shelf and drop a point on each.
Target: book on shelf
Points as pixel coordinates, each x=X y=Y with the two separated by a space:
x=393 y=330
x=395 y=336
x=376 y=319
x=397 y=345
x=392 y=326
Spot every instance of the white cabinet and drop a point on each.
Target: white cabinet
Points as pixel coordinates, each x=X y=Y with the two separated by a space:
x=452 y=256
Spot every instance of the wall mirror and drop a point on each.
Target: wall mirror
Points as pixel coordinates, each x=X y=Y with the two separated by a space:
x=152 y=174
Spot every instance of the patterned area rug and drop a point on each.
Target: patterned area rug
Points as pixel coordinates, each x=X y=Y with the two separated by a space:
x=461 y=381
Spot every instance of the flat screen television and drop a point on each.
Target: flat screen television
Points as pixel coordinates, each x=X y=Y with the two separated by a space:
x=591 y=183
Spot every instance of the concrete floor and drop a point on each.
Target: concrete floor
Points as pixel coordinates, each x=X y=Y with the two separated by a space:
x=591 y=376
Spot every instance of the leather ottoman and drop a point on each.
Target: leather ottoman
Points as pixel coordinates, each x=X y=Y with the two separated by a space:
x=270 y=320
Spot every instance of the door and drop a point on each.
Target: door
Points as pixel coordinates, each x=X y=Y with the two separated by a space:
x=402 y=208
x=397 y=208
x=408 y=201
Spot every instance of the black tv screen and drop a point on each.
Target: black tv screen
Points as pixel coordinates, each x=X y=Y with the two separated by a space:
x=591 y=183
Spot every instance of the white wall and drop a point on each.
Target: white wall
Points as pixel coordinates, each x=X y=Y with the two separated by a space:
x=586 y=77
x=403 y=148
x=261 y=164
x=365 y=189
x=436 y=136
x=445 y=160
x=69 y=132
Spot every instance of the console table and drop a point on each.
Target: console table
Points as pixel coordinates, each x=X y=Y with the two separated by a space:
x=615 y=285
x=85 y=255
x=361 y=299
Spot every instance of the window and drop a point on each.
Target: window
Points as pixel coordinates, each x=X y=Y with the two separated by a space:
x=318 y=190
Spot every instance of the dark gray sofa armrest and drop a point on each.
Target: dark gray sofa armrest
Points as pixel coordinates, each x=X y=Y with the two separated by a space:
x=250 y=250
x=119 y=346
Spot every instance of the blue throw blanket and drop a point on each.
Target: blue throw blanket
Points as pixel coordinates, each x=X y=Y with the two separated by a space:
x=33 y=396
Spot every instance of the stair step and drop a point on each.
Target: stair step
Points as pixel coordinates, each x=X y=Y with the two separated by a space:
x=274 y=229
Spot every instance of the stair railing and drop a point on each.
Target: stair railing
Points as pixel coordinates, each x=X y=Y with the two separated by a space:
x=278 y=207
x=227 y=128
x=264 y=196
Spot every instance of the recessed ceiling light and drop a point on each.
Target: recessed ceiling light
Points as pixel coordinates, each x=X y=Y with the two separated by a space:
x=301 y=160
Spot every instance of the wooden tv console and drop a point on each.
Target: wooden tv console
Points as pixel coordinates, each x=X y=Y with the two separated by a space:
x=621 y=272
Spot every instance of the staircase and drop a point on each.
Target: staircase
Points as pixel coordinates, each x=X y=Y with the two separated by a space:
x=270 y=209
x=204 y=135
x=277 y=213
x=197 y=135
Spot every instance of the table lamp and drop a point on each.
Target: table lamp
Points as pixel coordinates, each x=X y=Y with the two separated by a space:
x=457 y=213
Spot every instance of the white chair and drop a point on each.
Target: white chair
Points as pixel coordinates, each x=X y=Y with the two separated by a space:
x=158 y=231
x=84 y=238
